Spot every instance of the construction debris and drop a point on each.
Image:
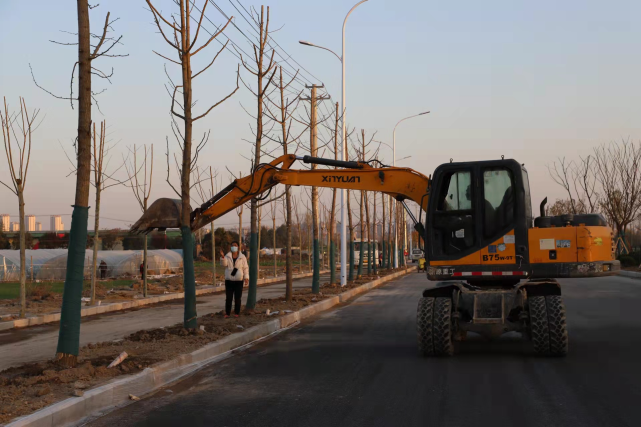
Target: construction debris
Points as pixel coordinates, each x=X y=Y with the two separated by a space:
x=132 y=397
x=118 y=360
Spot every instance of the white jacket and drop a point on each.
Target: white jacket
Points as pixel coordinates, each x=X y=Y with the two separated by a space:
x=241 y=265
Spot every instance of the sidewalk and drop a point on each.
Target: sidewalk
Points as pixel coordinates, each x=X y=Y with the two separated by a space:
x=19 y=346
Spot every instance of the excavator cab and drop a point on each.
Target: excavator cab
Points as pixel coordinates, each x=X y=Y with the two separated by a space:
x=478 y=219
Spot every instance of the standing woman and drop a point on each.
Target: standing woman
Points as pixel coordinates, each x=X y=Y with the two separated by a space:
x=236 y=273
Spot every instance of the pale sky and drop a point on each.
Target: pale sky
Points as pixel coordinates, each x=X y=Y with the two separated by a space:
x=531 y=81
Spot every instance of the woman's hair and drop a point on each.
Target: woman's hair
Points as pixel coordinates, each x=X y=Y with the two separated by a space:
x=233 y=241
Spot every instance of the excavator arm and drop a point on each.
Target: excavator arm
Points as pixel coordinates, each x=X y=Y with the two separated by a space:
x=400 y=183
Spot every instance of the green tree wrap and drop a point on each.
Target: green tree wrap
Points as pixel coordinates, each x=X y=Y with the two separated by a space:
x=384 y=255
x=350 y=276
x=316 y=276
x=369 y=258
x=69 y=335
x=253 y=271
x=375 y=265
x=360 y=259
x=189 y=279
x=332 y=262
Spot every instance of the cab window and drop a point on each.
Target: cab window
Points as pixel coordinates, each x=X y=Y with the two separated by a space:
x=454 y=229
x=458 y=196
x=498 y=191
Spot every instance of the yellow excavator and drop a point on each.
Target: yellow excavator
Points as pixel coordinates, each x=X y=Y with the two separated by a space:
x=493 y=263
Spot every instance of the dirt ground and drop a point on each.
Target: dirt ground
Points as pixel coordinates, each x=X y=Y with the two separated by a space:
x=26 y=389
x=41 y=300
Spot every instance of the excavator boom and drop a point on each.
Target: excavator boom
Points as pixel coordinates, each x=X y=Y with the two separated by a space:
x=400 y=183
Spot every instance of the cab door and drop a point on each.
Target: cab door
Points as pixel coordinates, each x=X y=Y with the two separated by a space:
x=498 y=205
x=452 y=220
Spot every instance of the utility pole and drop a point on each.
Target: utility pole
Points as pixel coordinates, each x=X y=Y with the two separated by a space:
x=314 y=153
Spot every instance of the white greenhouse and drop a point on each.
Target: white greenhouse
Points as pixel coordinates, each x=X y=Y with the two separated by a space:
x=51 y=264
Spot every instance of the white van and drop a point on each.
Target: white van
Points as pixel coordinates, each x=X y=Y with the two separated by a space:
x=357 y=252
x=416 y=255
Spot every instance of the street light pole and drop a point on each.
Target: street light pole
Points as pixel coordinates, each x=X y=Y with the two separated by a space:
x=396 y=204
x=343 y=213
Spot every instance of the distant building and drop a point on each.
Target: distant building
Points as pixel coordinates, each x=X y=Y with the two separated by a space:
x=15 y=226
x=5 y=221
x=56 y=223
x=38 y=226
x=30 y=220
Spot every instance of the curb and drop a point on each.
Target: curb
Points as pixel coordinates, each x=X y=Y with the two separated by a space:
x=630 y=274
x=118 y=306
x=116 y=392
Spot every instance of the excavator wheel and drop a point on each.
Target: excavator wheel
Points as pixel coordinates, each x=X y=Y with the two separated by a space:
x=434 y=327
x=547 y=325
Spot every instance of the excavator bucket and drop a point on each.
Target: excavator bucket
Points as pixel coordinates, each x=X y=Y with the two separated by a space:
x=162 y=214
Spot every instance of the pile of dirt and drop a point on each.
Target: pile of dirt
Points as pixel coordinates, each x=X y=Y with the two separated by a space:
x=28 y=388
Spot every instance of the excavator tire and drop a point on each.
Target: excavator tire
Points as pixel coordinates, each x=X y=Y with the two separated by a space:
x=547 y=325
x=434 y=327
x=424 y=315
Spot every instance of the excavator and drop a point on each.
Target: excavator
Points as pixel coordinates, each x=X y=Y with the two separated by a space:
x=495 y=267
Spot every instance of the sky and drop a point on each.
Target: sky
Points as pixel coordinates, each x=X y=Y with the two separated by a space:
x=532 y=81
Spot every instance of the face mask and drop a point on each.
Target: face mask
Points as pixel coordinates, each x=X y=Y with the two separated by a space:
x=234 y=248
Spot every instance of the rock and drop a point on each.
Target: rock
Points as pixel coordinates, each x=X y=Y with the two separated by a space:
x=202 y=328
x=43 y=391
x=78 y=393
x=240 y=326
x=80 y=385
x=132 y=397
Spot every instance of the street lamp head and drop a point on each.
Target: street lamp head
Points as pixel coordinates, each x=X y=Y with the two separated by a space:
x=305 y=43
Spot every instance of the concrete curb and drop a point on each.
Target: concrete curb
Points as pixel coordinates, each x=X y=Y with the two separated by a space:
x=117 y=391
x=118 y=306
x=631 y=274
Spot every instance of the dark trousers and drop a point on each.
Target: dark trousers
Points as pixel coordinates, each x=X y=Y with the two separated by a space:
x=234 y=290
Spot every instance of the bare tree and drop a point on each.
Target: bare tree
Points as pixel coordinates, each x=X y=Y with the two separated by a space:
x=285 y=119
x=69 y=335
x=185 y=49
x=264 y=69
x=17 y=147
x=618 y=167
x=141 y=187
x=102 y=180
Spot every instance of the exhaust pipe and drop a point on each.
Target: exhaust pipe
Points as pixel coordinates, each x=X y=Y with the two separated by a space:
x=542 y=207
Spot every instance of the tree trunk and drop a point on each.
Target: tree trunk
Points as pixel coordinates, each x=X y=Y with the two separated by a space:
x=350 y=275
x=374 y=242
x=213 y=254
x=69 y=335
x=190 y=316
x=383 y=244
x=96 y=236
x=289 y=274
x=369 y=237
x=362 y=229
x=274 y=245
x=23 y=260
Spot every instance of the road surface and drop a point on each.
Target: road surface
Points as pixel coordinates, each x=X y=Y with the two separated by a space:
x=18 y=346
x=358 y=366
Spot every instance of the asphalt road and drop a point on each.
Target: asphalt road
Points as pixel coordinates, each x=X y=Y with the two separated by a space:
x=358 y=366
